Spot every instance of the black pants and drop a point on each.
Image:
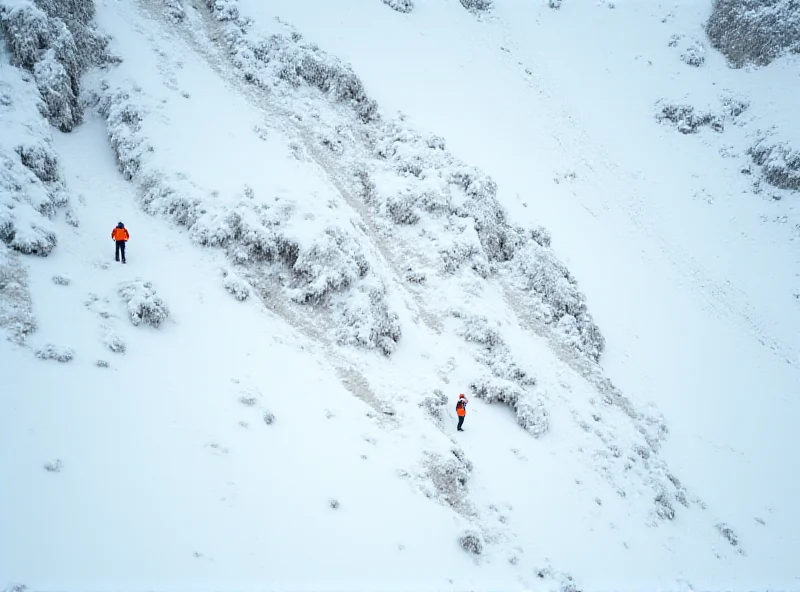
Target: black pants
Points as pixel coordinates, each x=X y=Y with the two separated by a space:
x=461 y=421
x=120 y=249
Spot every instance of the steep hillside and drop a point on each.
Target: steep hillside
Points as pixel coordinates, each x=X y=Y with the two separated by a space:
x=343 y=215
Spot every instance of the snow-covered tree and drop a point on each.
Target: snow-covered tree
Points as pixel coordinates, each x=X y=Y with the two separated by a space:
x=754 y=31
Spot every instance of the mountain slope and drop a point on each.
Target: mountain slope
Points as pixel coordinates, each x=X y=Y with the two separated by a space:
x=334 y=277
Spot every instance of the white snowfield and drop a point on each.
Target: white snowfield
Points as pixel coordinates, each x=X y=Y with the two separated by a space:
x=344 y=214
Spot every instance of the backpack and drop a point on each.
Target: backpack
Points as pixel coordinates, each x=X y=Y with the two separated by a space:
x=459 y=404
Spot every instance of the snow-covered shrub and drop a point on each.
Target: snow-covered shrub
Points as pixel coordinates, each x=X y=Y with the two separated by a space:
x=71 y=218
x=404 y=6
x=102 y=364
x=115 y=343
x=54 y=466
x=664 y=507
x=402 y=208
x=175 y=10
x=365 y=319
x=16 y=317
x=461 y=253
x=733 y=106
x=248 y=400
x=334 y=504
x=269 y=418
x=434 y=404
x=61 y=280
x=235 y=285
x=41 y=160
x=332 y=263
x=694 y=54
x=686 y=119
x=288 y=59
x=477 y=329
x=31 y=189
x=561 y=582
x=728 y=534
x=144 y=305
x=530 y=411
x=477 y=5
x=533 y=417
x=780 y=164
x=54 y=352
x=554 y=4
x=754 y=31
x=57 y=43
x=472 y=542
x=449 y=477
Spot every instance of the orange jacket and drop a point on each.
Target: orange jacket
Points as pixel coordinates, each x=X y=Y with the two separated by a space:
x=461 y=409
x=120 y=234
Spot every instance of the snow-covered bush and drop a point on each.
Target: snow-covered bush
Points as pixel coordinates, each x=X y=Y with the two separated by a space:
x=541 y=273
x=61 y=280
x=71 y=218
x=728 y=534
x=333 y=262
x=57 y=43
x=779 y=162
x=686 y=119
x=269 y=418
x=530 y=411
x=16 y=317
x=31 y=189
x=54 y=352
x=472 y=542
x=554 y=4
x=365 y=319
x=477 y=329
x=280 y=58
x=102 y=364
x=235 y=285
x=477 y=5
x=42 y=161
x=694 y=54
x=449 y=477
x=144 y=305
x=114 y=343
x=54 y=466
x=404 y=6
x=434 y=404
x=754 y=31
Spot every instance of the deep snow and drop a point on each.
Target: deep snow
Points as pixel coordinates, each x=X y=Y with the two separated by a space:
x=211 y=449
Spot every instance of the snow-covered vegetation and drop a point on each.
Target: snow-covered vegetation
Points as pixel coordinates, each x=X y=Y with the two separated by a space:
x=339 y=238
x=754 y=31
x=31 y=189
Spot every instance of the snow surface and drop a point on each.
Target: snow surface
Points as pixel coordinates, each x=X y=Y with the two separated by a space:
x=264 y=395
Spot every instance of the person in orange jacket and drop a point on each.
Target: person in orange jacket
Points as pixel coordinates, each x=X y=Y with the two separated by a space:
x=461 y=410
x=120 y=235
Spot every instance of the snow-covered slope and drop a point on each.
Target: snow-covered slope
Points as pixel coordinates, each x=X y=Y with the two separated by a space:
x=263 y=395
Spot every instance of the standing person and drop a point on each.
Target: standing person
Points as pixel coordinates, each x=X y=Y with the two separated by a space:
x=461 y=410
x=121 y=235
